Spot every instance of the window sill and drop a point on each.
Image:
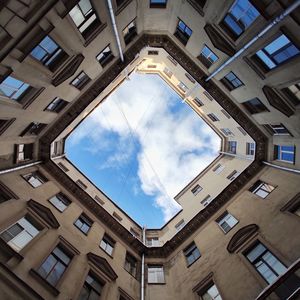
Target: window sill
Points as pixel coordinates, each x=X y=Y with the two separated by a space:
x=53 y=290
x=10 y=251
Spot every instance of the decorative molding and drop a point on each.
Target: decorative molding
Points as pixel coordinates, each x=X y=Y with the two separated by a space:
x=102 y=264
x=124 y=294
x=277 y=101
x=203 y=283
x=69 y=70
x=218 y=40
x=44 y=212
x=293 y=204
x=8 y=191
x=98 y=86
x=241 y=236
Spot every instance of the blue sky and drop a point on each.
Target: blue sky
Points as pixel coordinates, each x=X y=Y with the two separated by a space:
x=141 y=146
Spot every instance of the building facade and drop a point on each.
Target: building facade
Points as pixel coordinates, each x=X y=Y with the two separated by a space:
x=237 y=234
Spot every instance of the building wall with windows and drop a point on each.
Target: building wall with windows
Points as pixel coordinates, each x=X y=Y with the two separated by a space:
x=43 y=84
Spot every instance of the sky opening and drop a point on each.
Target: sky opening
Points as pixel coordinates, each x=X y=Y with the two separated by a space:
x=141 y=146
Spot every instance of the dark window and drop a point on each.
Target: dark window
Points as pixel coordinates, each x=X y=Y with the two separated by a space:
x=242 y=130
x=105 y=56
x=5 y=193
x=277 y=129
x=63 y=167
x=261 y=189
x=152 y=52
x=277 y=52
x=117 y=216
x=191 y=253
x=81 y=184
x=231 y=81
x=250 y=148
x=83 y=223
x=226 y=221
x=60 y=201
x=33 y=128
x=131 y=264
x=183 y=32
x=265 y=263
x=158 y=3
x=49 y=53
x=13 y=88
x=207 y=57
x=225 y=113
x=129 y=32
x=198 y=102
x=91 y=289
x=55 y=265
x=213 y=117
x=4 y=124
x=239 y=17
x=24 y=152
x=227 y=131
x=209 y=292
x=107 y=244
x=232 y=146
x=284 y=153
x=196 y=189
x=234 y=174
x=35 y=179
x=57 y=105
x=254 y=106
x=156 y=274
x=293 y=93
x=81 y=80
x=85 y=18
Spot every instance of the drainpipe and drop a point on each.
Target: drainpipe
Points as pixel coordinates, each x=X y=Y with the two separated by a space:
x=143 y=267
x=281 y=168
x=116 y=33
x=237 y=155
x=277 y=20
x=19 y=167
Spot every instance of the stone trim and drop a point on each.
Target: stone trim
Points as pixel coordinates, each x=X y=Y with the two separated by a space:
x=165 y=42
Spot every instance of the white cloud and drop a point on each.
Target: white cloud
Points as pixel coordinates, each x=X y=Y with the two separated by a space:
x=174 y=146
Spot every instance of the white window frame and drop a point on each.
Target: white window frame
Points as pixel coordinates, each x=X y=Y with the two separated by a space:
x=229 y=220
x=156 y=274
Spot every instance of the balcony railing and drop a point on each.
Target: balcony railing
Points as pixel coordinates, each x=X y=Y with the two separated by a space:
x=287 y=286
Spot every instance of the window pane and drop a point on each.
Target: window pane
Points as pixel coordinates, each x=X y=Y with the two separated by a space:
x=274 y=263
x=277 y=44
x=270 y=64
x=256 y=252
x=47 y=265
x=56 y=273
x=61 y=255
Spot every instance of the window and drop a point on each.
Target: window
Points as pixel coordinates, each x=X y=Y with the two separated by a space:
x=107 y=244
x=172 y=60
x=239 y=17
x=226 y=221
x=191 y=253
x=56 y=105
x=277 y=52
x=158 y=3
x=35 y=179
x=233 y=175
x=254 y=106
x=6 y=194
x=168 y=72
x=156 y=274
x=227 y=131
x=153 y=242
x=21 y=233
x=198 y=102
x=105 y=56
x=183 y=32
x=182 y=87
x=99 y=200
x=81 y=184
x=152 y=52
x=265 y=263
x=231 y=81
x=293 y=93
x=80 y=81
x=250 y=148
x=60 y=201
x=131 y=264
x=242 y=130
x=218 y=168
x=91 y=289
x=118 y=217
x=85 y=18
x=284 y=153
x=190 y=78
x=13 y=88
x=4 y=124
x=135 y=233
x=232 y=147
x=277 y=129
x=207 y=57
x=208 y=95
x=196 y=189
x=213 y=117
x=49 y=53
x=206 y=200
x=33 y=128
x=129 y=32
x=261 y=189
x=180 y=225
x=54 y=265
x=225 y=113
x=63 y=167
x=210 y=292
x=83 y=223
x=24 y=152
